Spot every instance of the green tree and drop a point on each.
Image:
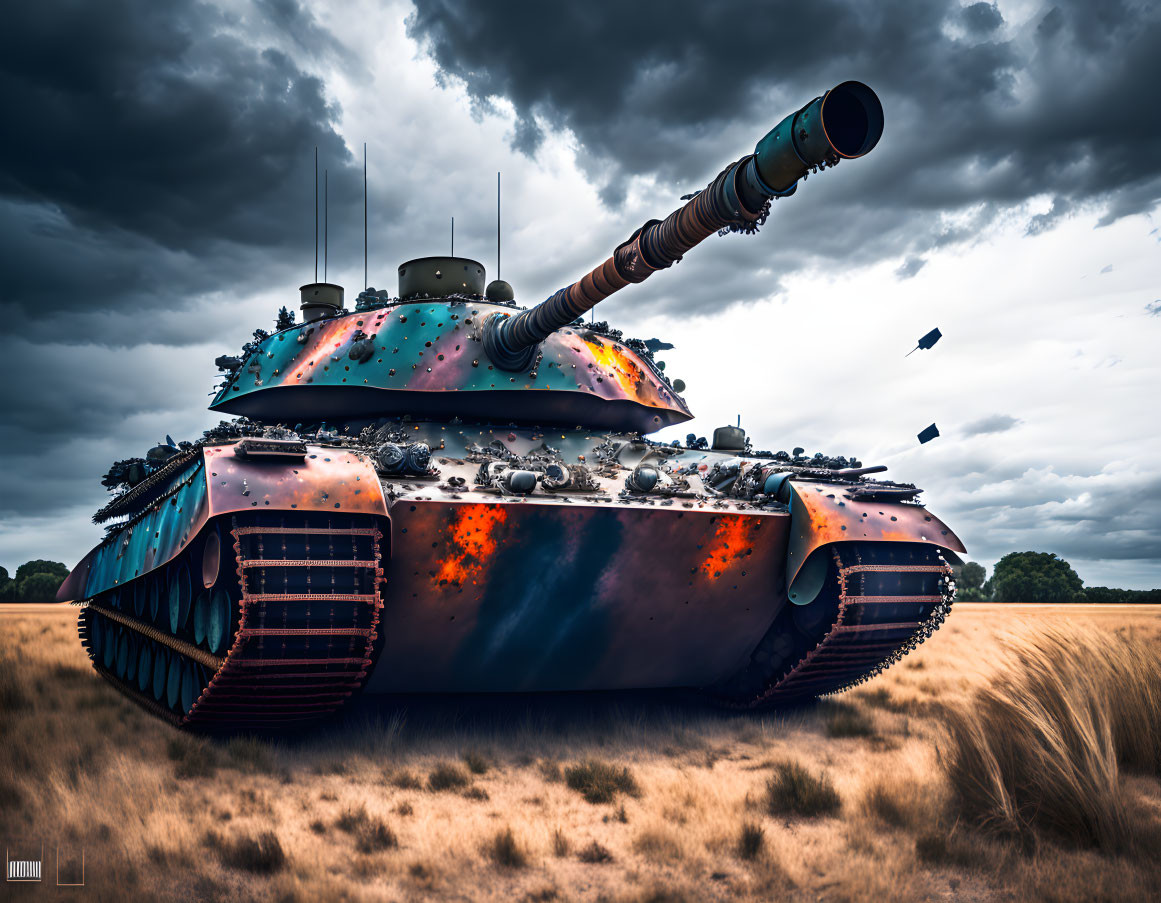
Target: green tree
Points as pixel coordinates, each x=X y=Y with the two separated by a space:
x=41 y=566
x=1035 y=577
x=1105 y=594
x=971 y=581
x=38 y=587
x=6 y=588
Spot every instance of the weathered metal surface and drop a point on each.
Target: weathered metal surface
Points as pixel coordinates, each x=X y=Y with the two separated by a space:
x=335 y=480
x=332 y=480
x=517 y=596
x=439 y=277
x=822 y=513
x=427 y=357
x=871 y=630
x=295 y=655
x=146 y=541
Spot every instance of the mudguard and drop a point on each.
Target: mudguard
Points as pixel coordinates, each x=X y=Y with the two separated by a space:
x=823 y=513
x=219 y=482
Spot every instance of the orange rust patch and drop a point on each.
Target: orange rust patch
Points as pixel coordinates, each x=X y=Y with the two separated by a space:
x=335 y=481
x=628 y=375
x=472 y=542
x=732 y=541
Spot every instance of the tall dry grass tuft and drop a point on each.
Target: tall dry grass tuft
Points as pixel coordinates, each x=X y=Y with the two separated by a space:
x=794 y=790
x=505 y=850
x=447 y=776
x=594 y=854
x=477 y=762
x=600 y=782
x=370 y=833
x=751 y=840
x=1040 y=747
x=251 y=754
x=260 y=852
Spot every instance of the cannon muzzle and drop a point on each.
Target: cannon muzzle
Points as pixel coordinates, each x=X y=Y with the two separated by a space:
x=844 y=123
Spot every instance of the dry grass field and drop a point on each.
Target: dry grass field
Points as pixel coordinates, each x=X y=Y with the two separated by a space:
x=1015 y=756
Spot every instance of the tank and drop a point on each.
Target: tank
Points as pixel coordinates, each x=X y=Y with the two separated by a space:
x=442 y=491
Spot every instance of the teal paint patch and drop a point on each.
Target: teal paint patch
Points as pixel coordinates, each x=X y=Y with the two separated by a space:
x=810 y=578
x=155 y=538
x=434 y=346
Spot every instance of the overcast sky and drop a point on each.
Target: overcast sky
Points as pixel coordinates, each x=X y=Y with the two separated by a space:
x=156 y=206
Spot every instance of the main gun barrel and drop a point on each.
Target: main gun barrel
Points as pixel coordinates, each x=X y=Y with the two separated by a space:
x=844 y=123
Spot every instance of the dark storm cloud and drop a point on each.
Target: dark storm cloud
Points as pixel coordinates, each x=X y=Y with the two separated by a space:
x=149 y=139
x=156 y=170
x=297 y=23
x=80 y=407
x=1000 y=502
x=982 y=18
x=982 y=114
x=1101 y=515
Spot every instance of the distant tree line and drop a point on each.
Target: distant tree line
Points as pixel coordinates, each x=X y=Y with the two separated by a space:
x=35 y=581
x=1038 y=577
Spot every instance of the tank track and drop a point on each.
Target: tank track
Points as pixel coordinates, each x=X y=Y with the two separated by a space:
x=283 y=638
x=881 y=600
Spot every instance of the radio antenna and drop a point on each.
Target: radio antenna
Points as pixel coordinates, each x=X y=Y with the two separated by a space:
x=365 y=282
x=497 y=225
x=453 y=253
x=316 y=213
x=326 y=217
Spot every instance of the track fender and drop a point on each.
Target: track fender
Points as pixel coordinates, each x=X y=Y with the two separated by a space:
x=335 y=480
x=822 y=513
x=327 y=479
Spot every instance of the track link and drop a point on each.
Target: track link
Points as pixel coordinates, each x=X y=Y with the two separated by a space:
x=881 y=600
x=303 y=625
x=885 y=611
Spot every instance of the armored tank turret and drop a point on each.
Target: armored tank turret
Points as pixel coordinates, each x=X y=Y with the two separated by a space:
x=442 y=491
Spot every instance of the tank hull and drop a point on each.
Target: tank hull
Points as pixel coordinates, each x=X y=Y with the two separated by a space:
x=531 y=596
x=265 y=593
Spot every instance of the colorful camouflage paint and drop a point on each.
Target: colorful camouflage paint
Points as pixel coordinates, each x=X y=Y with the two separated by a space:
x=506 y=596
x=434 y=347
x=822 y=513
x=328 y=479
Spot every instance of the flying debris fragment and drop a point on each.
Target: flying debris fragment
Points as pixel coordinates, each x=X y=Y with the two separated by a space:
x=656 y=345
x=928 y=434
x=926 y=342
